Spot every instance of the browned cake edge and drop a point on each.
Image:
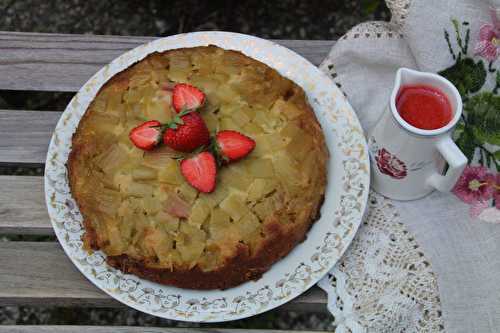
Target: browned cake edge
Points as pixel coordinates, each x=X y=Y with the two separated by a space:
x=242 y=267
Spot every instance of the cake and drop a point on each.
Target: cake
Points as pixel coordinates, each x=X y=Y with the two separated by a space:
x=143 y=214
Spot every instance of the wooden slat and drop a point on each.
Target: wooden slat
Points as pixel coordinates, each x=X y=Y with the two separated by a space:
x=125 y=329
x=39 y=273
x=25 y=135
x=22 y=206
x=56 y=62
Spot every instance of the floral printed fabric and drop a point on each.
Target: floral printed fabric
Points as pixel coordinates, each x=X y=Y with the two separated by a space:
x=489 y=38
x=459 y=40
x=478 y=133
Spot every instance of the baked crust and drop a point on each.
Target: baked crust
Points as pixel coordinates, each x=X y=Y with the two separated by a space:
x=236 y=270
x=233 y=252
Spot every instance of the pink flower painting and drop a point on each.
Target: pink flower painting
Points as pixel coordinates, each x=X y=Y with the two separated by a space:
x=474 y=185
x=390 y=165
x=488 y=45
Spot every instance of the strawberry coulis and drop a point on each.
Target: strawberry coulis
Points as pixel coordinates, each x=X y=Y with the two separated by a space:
x=423 y=106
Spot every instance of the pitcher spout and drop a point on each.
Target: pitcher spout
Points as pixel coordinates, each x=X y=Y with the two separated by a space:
x=406 y=76
x=410 y=77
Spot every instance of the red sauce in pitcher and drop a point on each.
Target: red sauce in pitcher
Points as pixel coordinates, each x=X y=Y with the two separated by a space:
x=424 y=107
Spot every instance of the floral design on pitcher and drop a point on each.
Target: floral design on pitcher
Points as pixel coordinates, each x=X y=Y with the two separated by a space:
x=390 y=165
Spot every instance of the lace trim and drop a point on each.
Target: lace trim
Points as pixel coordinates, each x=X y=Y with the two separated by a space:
x=381 y=29
x=399 y=12
x=383 y=283
x=373 y=30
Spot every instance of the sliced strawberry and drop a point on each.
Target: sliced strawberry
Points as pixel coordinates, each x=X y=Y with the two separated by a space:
x=233 y=145
x=200 y=171
x=147 y=135
x=187 y=133
x=187 y=97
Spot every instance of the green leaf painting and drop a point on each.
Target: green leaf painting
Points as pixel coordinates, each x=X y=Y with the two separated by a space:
x=466 y=143
x=480 y=123
x=468 y=76
x=483 y=116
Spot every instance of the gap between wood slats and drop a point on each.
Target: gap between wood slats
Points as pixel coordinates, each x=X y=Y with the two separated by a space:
x=39 y=273
x=57 y=62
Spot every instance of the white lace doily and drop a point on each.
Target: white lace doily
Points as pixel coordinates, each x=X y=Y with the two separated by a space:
x=381 y=29
x=383 y=283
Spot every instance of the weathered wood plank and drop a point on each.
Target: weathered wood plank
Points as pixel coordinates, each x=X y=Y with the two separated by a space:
x=39 y=273
x=57 y=62
x=25 y=135
x=22 y=206
x=125 y=329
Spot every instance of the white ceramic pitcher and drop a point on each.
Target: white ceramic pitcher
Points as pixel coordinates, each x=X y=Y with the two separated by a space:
x=408 y=162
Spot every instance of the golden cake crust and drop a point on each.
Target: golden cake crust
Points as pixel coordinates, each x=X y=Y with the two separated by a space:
x=149 y=243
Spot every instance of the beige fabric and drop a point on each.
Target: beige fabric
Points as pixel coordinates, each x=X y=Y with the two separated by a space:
x=464 y=252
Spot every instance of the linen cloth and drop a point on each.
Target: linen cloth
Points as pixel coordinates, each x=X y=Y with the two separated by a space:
x=461 y=240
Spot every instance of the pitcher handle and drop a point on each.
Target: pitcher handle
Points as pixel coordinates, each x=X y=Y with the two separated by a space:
x=456 y=163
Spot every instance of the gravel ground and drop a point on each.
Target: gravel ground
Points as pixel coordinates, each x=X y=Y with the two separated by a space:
x=128 y=317
x=285 y=19
x=293 y=19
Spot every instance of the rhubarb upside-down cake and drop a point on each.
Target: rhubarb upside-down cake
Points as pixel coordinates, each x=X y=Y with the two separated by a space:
x=223 y=205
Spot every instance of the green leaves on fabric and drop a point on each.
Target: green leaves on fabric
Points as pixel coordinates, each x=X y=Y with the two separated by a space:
x=480 y=123
x=468 y=76
x=483 y=116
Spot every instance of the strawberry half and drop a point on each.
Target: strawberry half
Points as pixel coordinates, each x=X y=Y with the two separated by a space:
x=187 y=133
x=233 y=145
x=200 y=171
x=187 y=97
x=147 y=135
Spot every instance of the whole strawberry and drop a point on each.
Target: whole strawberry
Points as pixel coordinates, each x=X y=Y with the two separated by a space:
x=186 y=132
x=147 y=135
x=232 y=145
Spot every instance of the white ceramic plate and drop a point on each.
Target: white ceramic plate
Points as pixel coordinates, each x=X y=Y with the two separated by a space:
x=341 y=213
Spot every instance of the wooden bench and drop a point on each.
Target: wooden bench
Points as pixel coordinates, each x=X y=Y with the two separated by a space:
x=39 y=273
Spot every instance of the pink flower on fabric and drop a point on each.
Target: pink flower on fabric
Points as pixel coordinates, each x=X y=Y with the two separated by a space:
x=488 y=45
x=474 y=185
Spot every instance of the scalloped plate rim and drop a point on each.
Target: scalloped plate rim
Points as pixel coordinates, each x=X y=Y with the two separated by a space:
x=283 y=67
